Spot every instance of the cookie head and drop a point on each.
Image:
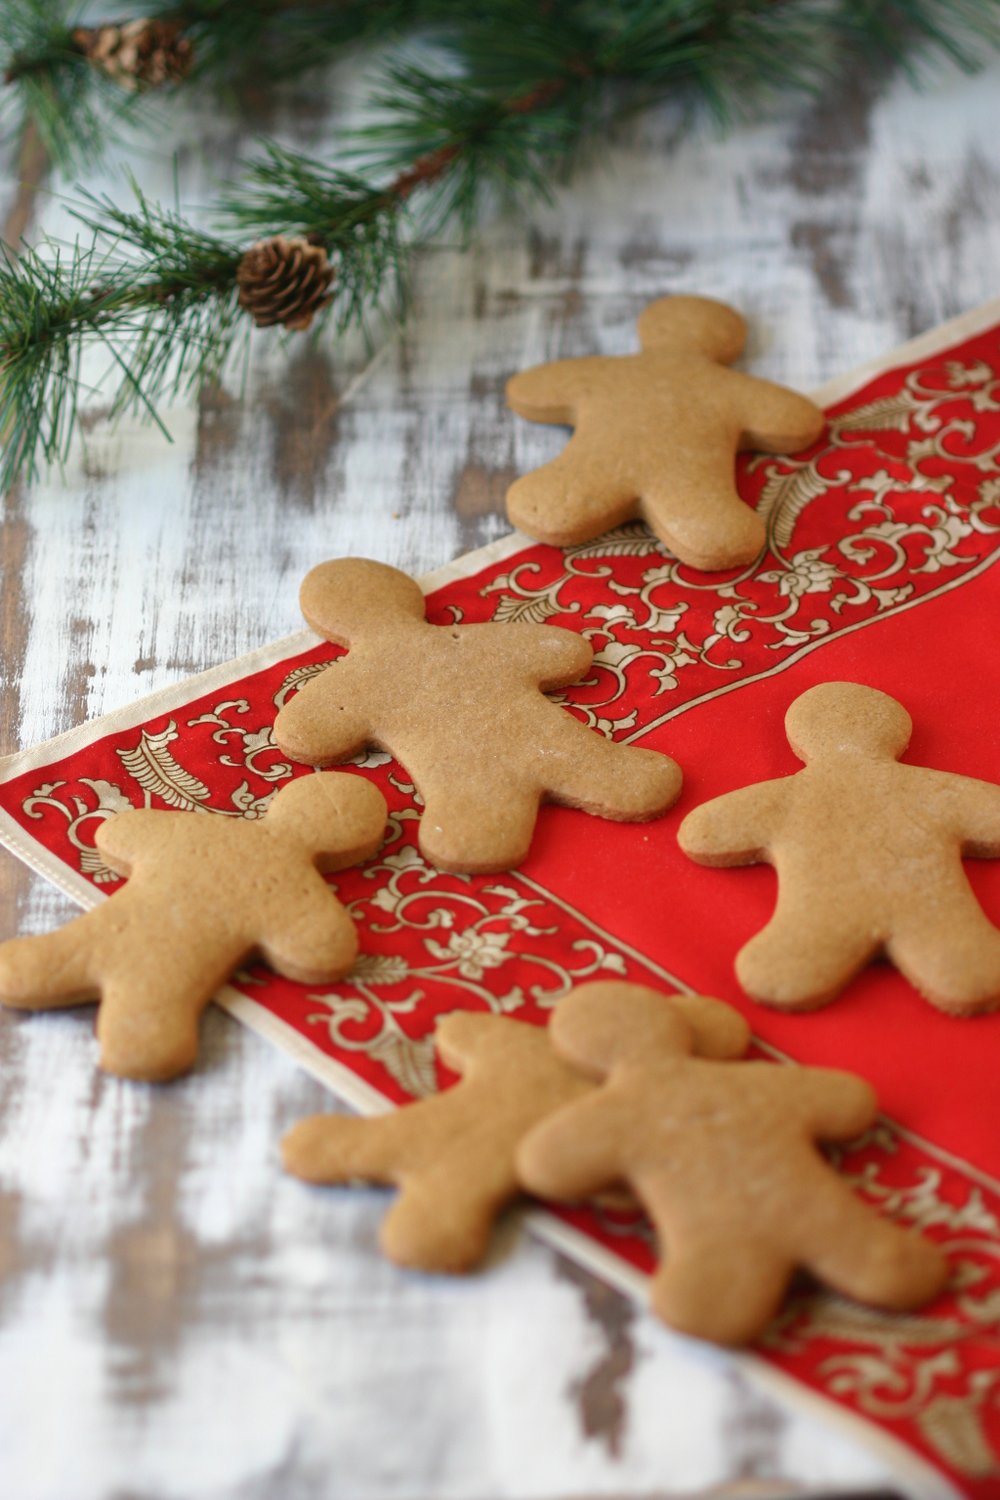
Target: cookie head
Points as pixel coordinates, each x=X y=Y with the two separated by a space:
x=331 y=813
x=352 y=597
x=836 y=718
x=599 y=1026
x=696 y=325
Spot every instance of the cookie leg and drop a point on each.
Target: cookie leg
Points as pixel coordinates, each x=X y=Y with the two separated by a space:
x=309 y=936
x=726 y=1288
x=951 y=957
x=613 y=781
x=479 y=829
x=147 y=1027
x=849 y=1248
x=799 y=962
x=577 y=496
x=50 y=970
x=441 y=1223
x=694 y=508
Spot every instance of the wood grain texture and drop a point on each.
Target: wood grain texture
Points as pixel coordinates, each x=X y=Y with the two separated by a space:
x=177 y=1319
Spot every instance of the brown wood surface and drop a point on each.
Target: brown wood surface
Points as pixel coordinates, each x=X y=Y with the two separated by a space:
x=176 y=1318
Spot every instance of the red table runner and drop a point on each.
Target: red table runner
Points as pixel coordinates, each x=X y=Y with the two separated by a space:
x=880 y=569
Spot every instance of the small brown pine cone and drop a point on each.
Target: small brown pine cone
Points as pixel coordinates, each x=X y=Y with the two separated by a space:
x=284 y=280
x=137 y=54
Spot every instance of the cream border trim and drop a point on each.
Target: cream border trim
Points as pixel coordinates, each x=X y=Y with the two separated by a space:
x=955 y=331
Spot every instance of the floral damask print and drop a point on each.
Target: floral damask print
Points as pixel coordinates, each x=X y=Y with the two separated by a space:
x=151 y=763
x=910 y=1366
x=954 y=1428
x=153 y=773
x=256 y=745
x=159 y=778
x=454 y=935
x=162 y=777
x=81 y=812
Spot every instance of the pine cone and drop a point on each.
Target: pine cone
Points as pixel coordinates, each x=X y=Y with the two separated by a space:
x=284 y=280
x=144 y=53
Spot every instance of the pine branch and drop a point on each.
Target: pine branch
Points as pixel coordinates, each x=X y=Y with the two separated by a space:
x=76 y=88
x=910 y=32
x=80 y=83
x=176 y=316
x=163 y=299
x=532 y=80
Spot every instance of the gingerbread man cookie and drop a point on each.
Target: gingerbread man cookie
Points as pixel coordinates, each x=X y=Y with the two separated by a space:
x=656 y=436
x=205 y=894
x=452 y=1155
x=723 y=1158
x=462 y=707
x=869 y=860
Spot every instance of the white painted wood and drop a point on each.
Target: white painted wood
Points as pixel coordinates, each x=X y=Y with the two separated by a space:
x=176 y=1318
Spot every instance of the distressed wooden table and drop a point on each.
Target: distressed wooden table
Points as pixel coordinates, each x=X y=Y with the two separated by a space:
x=177 y=1319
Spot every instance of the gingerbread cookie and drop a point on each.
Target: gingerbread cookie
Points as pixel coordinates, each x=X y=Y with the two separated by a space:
x=453 y=1155
x=205 y=894
x=656 y=436
x=463 y=708
x=723 y=1158
x=869 y=860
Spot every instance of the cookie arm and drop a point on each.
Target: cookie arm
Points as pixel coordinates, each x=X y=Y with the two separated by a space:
x=443 y=1216
x=321 y=725
x=310 y=937
x=773 y=418
x=342 y=1149
x=736 y=828
x=463 y=1036
x=835 y=1105
x=572 y=1154
x=128 y=836
x=49 y=969
x=549 y=393
x=557 y=657
x=977 y=805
